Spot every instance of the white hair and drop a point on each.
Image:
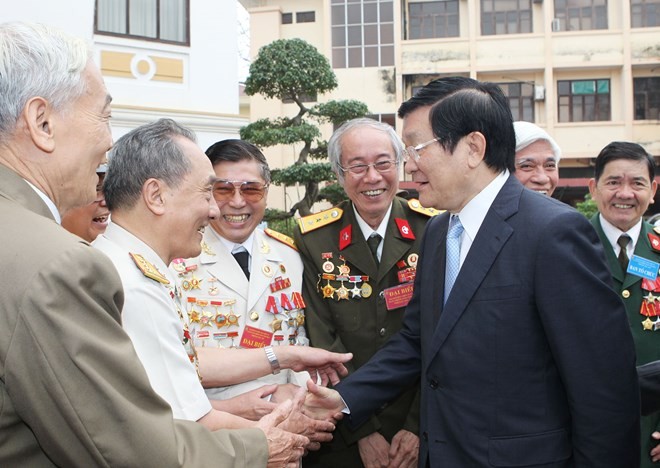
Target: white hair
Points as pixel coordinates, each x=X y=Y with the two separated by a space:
x=527 y=133
x=38 y=60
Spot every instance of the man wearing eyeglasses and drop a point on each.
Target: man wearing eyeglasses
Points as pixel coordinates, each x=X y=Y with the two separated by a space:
x=360 y=259
x=244 y=290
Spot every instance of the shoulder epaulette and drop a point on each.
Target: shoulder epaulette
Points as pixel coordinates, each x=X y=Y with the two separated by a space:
x=415 y=205
x=315 y=221
x=283 y=238
x=148 y=269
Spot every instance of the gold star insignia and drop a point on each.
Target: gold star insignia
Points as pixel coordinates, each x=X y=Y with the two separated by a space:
x=647 y=324
x=650 y=297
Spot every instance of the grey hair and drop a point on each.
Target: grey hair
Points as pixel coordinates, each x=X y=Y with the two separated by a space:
x=38 y=60
x=144 y=153
x=334 y=144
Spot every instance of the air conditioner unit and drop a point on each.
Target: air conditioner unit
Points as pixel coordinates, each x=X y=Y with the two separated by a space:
x=539 y=93
x=556 y=25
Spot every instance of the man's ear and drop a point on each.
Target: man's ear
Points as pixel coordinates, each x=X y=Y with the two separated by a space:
x=654 y=188
x=477 y=148
x=592 y=188
x=38 y=115
x=154 y=196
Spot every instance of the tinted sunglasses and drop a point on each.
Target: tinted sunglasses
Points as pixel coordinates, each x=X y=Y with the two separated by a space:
x=224 y=190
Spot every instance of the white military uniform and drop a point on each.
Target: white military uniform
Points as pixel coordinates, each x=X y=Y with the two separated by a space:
x=151 y=318
x=226 y=310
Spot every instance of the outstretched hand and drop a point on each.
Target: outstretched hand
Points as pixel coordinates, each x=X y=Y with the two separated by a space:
x=323 y=403
x=297 y=422
x=327 y=365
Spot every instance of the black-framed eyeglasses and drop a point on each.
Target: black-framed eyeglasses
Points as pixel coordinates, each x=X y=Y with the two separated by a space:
x=412 y=152
x=380 y=166
x=224 y=190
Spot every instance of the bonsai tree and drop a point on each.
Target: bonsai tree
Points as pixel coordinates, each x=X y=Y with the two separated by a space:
x=293 y=70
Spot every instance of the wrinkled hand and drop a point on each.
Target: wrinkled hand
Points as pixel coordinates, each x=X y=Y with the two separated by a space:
x=404 y=450
x=285 y=392
x=315 y=430
x=284 y=448
x=249 y=405
x=327 y=365
x=374 y=451
x=655 y=452
x=323 y=403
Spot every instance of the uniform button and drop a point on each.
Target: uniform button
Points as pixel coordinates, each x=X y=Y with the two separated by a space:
x=433 y=384
x=382 y=332
x=625 y=294
x=381 y=295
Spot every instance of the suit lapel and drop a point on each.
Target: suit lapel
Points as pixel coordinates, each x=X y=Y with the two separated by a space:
x=491 y=237
x=357 y=252
x=223 y=266
x=264 y=267
x=396 y=245
x=17 y=189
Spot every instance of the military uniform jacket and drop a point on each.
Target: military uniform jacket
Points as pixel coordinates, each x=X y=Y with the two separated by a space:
x=151 y=318
x=224 y=309
x=647 y=341
x=72 y=389
x=361 y=325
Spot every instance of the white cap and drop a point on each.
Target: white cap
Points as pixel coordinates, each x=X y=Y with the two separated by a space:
x=527 y=133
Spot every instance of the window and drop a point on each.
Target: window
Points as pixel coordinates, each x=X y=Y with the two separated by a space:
x=581 y=15
x=506 y=17
x=428 y=20
x=647 y=98
x=305 y=17
x=389 y=119
x=362 y=33
x=287 y=18
x=583 y=100
x=521 y=100
x=644 y=13
x=157 y=20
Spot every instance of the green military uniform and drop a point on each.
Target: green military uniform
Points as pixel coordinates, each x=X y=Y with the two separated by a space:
x=647 y=341
x=347 y=309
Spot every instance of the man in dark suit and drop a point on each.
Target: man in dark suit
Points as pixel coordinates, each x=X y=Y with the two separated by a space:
x=357 y=298
x=72 y=390
x=526 y=359
x=623 y=187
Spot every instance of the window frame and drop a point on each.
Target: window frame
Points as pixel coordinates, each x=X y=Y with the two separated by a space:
x=565 y=14
x=523 y=99
x=584 y=99
x=651 y=93
x=127 y=35
x=446 y=28
x=643 y=17
x=494 y=12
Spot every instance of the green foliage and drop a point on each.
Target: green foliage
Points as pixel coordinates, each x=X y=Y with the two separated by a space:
x=302 y=173
x=280 y=221
x=289 y=68
x=281 y=131
x=338 y=112
x=333 y=193
x=587 y=207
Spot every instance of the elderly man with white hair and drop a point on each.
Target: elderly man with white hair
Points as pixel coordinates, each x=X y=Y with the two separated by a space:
x=537 y=158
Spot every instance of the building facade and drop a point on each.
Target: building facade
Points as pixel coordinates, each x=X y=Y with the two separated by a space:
x=588 y=71
x=159 y=58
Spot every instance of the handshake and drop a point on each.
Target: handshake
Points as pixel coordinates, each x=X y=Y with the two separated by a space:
x=301 y=423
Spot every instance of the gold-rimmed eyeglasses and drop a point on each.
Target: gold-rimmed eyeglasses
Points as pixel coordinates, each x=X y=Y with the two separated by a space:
x=224 y=190
x=380 y=166
x=412 y=152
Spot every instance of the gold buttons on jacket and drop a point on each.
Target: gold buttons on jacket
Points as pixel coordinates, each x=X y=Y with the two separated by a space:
x=625 y=294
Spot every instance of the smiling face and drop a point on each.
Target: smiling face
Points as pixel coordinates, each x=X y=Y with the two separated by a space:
x=191 y=204
x=83 y=137
x=89 y=221
x=371 y=193
x=623 y=192
x=238 y=216
x=442 y=177
x=536 y=167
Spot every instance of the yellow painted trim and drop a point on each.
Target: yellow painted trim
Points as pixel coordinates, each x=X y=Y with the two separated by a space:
x=168 y=69
x=116 y=64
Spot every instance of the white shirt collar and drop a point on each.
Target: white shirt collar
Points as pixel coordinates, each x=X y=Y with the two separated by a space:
x=232 y=246
x=613 y=233
x=49 y=203
x=473 y=214
x=368 y=230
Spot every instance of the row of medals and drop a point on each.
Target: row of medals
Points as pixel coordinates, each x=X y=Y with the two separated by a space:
x=406 y=273
x=205 y=318
x=650 y=308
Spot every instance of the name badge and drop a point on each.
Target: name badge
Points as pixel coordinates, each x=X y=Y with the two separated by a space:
x=398 y=296
x=254 y=337
x=643 y=267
